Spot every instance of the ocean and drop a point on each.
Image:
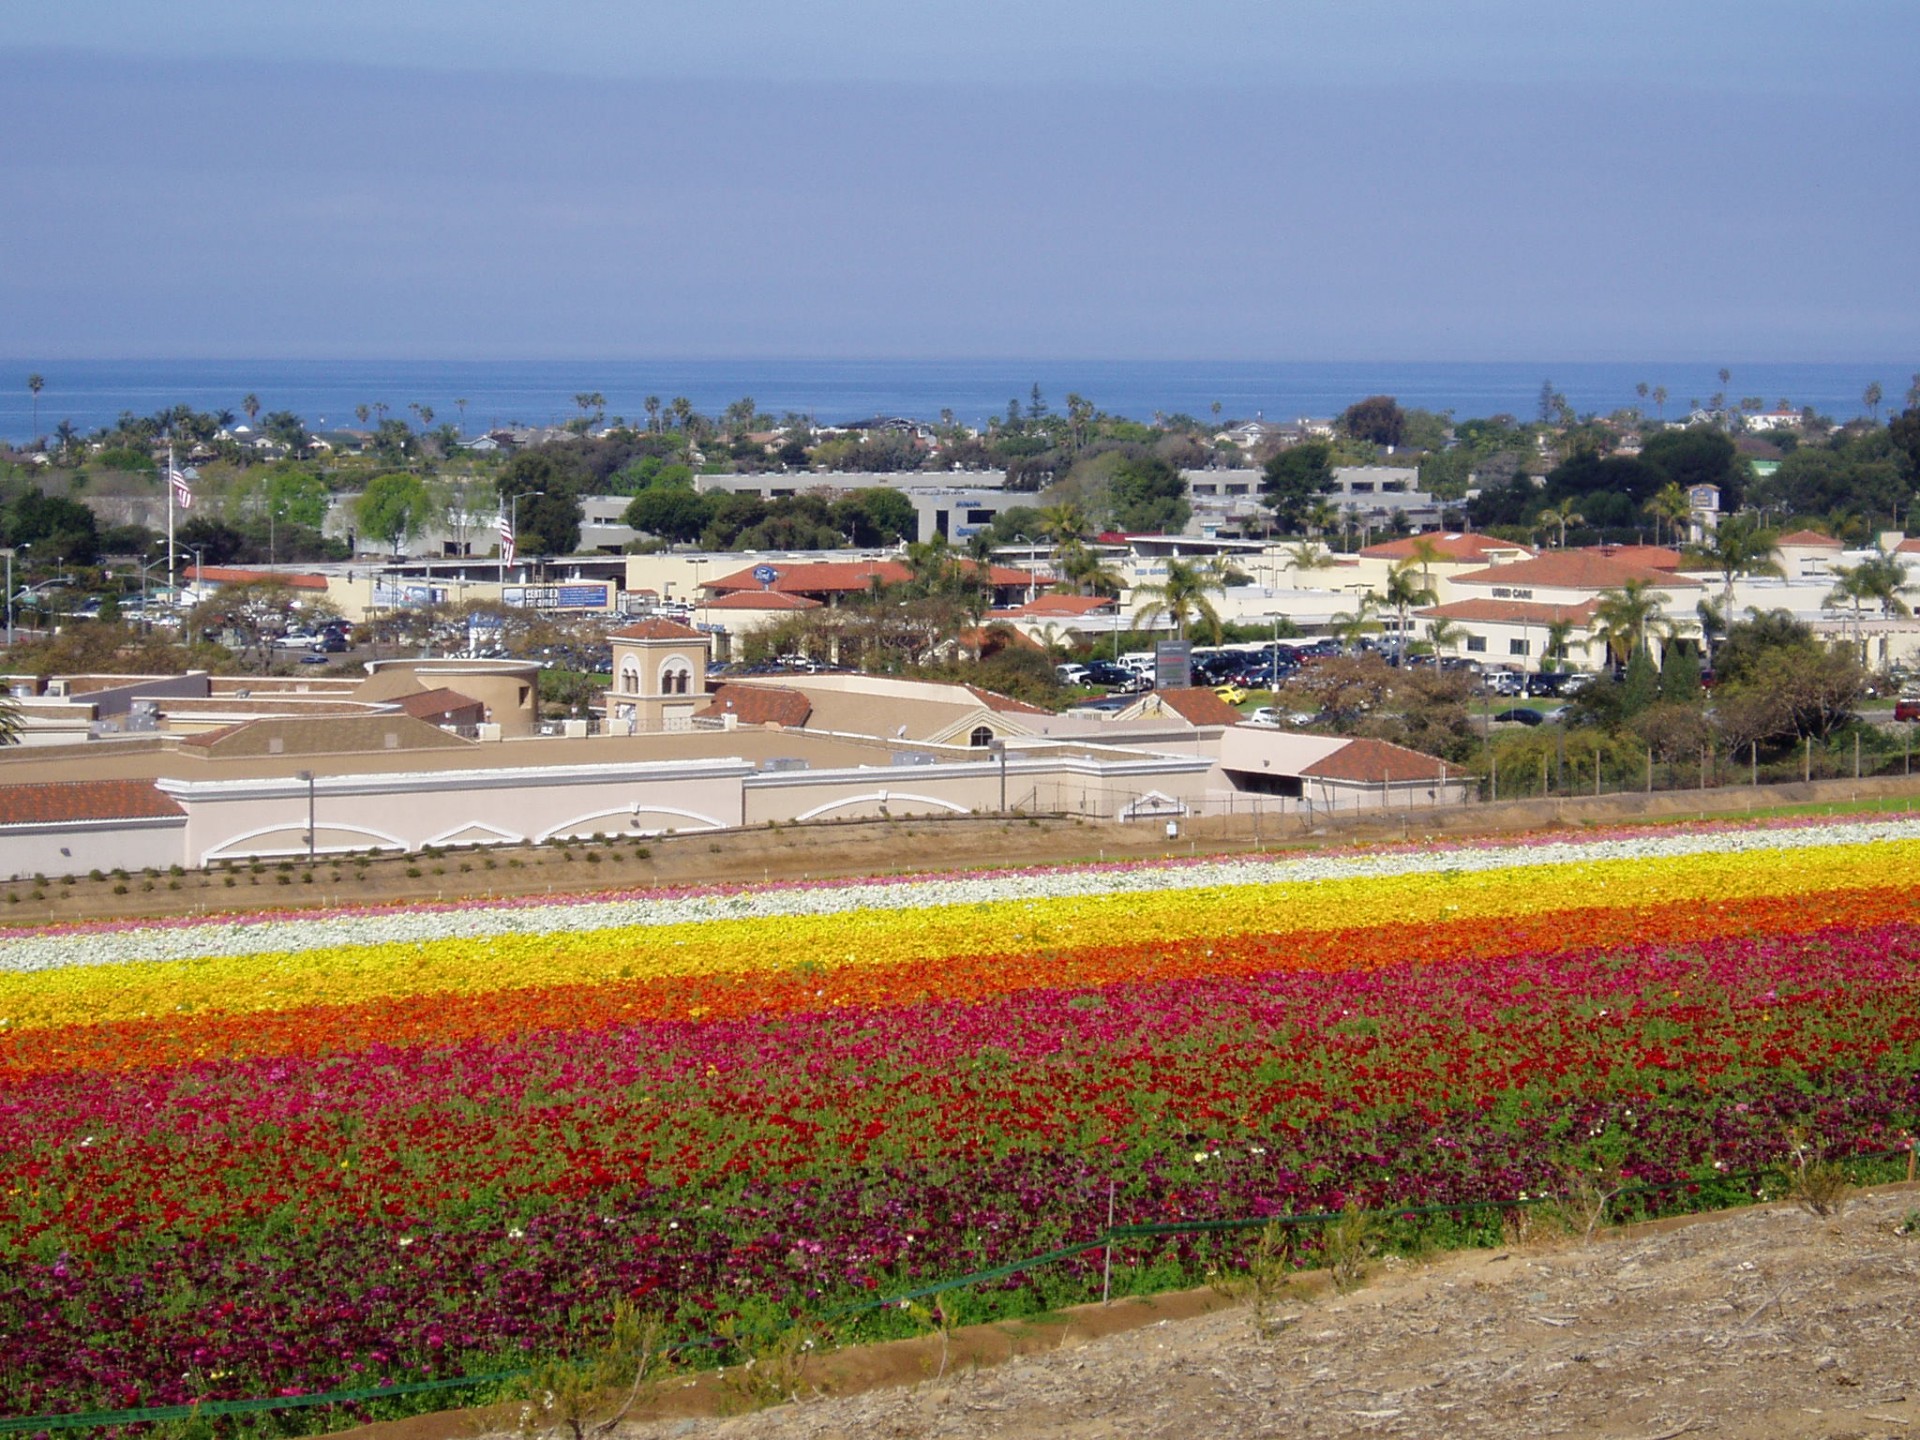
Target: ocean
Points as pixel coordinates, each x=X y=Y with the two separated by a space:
x=326 y=393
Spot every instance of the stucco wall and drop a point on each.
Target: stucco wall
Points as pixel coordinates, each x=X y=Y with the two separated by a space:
x=132 y=845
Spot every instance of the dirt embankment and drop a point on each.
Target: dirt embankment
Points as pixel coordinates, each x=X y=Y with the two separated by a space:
x=1764 y=1324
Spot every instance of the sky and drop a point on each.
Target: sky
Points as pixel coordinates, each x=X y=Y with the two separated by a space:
x=1125 y=179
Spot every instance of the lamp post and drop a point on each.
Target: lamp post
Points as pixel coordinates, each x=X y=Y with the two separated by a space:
x=199 y=572
x=999 y=748
x=513 y=525
x=307 y=775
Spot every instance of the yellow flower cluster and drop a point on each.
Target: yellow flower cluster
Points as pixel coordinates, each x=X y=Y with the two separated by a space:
x=344 y=975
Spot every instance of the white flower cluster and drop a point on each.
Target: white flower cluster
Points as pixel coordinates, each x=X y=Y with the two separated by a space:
x=252 y=935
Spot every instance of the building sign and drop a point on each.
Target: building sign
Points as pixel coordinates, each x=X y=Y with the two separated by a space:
x=765 y=574
x=1172 y=664
x=393 y=597
x=1508 y=592
x=555 y=597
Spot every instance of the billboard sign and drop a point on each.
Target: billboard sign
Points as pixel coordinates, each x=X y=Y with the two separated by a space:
x=1172 y=664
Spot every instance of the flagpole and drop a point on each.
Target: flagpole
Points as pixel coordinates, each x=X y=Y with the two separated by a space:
x=173 y=575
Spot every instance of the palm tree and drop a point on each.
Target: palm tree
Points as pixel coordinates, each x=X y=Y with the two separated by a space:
x=1404 y=591
x=1712 y=615
x=1738 y=545
x=1878 y=578
x=251 y=405
x=1561 y=515
x=1181 y=598
x=1321 y=516
x=1671 y=505
x=1873 y=396
x=1309 y=555
x=1444 y=634
x=1553 y=649
x=1660 y=399
x=35 y=384
x=1354 y=625
x=1629 y=617
x=652 y=404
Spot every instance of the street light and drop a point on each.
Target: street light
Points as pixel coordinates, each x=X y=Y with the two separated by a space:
x=999 y=748
x=307 y=775
x=8 y=552
x=513 y=525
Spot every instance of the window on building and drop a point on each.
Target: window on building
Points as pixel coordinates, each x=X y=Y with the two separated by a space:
x=629 y=679
x=982 y=737
x=1476 y=644
x=1519 y=647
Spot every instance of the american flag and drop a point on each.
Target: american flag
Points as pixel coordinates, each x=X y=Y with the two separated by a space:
x=506 y=539
x=182 y=491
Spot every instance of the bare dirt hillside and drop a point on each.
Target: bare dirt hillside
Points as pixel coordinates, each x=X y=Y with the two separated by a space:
x=1766 y=1324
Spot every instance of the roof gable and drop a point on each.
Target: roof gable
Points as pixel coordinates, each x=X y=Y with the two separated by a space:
x=758 y=705
x=66 y=801
x=1376 y=762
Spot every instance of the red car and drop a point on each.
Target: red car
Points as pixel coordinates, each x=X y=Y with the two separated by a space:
x=1907 y=708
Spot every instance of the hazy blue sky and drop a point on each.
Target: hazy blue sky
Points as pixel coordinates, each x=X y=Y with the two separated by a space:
x=1293 y=179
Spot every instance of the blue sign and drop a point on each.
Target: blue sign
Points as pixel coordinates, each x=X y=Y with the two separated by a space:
x=765 y=574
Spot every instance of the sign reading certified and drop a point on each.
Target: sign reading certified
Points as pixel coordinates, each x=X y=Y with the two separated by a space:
x=765 y=574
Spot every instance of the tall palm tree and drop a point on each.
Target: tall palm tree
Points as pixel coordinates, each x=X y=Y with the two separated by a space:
x=1553 y=649
x=1354 y=625
x=1712 y=615
x=1561 y=515
x=1738 y=545
x=1405 y=589
x=251 y=405
x=1629 y=618
x=1182 y=598
x=1672 y=506
x=1660 y=399
x=1878 y=578
x=1322 y=515
x=1444 y=635
x=35 y=384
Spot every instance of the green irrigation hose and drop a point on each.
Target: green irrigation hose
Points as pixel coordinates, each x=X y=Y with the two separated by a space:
x=1113 y=1235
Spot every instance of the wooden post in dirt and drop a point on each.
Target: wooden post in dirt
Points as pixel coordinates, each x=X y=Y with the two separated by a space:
x=1106 y=1272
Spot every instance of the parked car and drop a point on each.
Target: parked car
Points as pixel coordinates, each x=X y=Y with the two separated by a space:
x=1232 y=694
x=1520 y=715
x=1266 y=717
x=1506 y=682
x=1547 y=684
x=1906 y=709
x=1105 y=672
x=1071 y=674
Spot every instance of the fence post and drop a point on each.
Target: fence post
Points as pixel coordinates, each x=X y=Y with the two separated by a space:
x=1753 y=758
x=1493 y=771
x=1649 y=769
x=1106 y=1270
x=1856 y=754
x=1806 y=764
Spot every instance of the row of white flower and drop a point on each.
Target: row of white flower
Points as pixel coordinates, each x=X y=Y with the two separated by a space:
x=248 y=935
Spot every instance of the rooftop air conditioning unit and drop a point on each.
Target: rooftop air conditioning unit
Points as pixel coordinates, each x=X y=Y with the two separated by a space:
x=912 y=757
x=784 y=762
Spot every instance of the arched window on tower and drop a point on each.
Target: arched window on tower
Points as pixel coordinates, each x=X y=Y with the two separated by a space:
x=982 y=737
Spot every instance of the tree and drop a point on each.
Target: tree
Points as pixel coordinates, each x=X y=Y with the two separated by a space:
x=1777 y=682
x=1738 y=545
x=251 y=404
x=394 y=508
x=1672 y=506
x=1378 y=420
x=1148 y=496
x=56 y=527
x=1293 y=480
x=284 y=427
x=1699 y=456
x=1872 y=396
x=35 y=384
x=877 y=515
x=1182 y=598
x=1405 y=589
x=1879 y=579
x=254 y=614
x=1629 y=617
x=1562 y=515
x=670 y=512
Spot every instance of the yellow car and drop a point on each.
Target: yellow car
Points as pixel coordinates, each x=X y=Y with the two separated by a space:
x=1232 y=694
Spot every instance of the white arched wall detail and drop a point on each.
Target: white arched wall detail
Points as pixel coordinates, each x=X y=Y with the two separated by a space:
x=229 y=848
x=475 y=832
x=1155 y=804
x=882 y=797
x=622 y=822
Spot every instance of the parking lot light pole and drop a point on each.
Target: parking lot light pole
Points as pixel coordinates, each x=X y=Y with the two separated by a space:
x=999 y=748
x=8 y=552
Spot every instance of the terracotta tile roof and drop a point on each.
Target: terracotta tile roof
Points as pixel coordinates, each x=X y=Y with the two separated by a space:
x=1462 y=546
x=1199 y=707
x=657 y=629
x=1575 y=570
x=1512 y=612
x=64 y=801
x=1908 y=547
x=1375 y=762
x=1654 y=557
x=759 y=600
x=758 y=705
x=1063 y=605
x=1003 y=704
x=430 y=704
x=824 y=577
x=226 y=575
x=1806 y=539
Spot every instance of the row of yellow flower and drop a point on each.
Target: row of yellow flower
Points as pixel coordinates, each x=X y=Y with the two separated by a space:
x=352 y=974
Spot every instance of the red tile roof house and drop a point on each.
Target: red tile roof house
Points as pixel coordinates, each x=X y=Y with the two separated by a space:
x=123 y=824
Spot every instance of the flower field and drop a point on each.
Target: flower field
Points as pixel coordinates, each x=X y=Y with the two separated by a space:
x=293 y=1152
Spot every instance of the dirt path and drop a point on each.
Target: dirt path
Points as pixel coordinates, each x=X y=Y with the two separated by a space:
x=1766 y=1324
